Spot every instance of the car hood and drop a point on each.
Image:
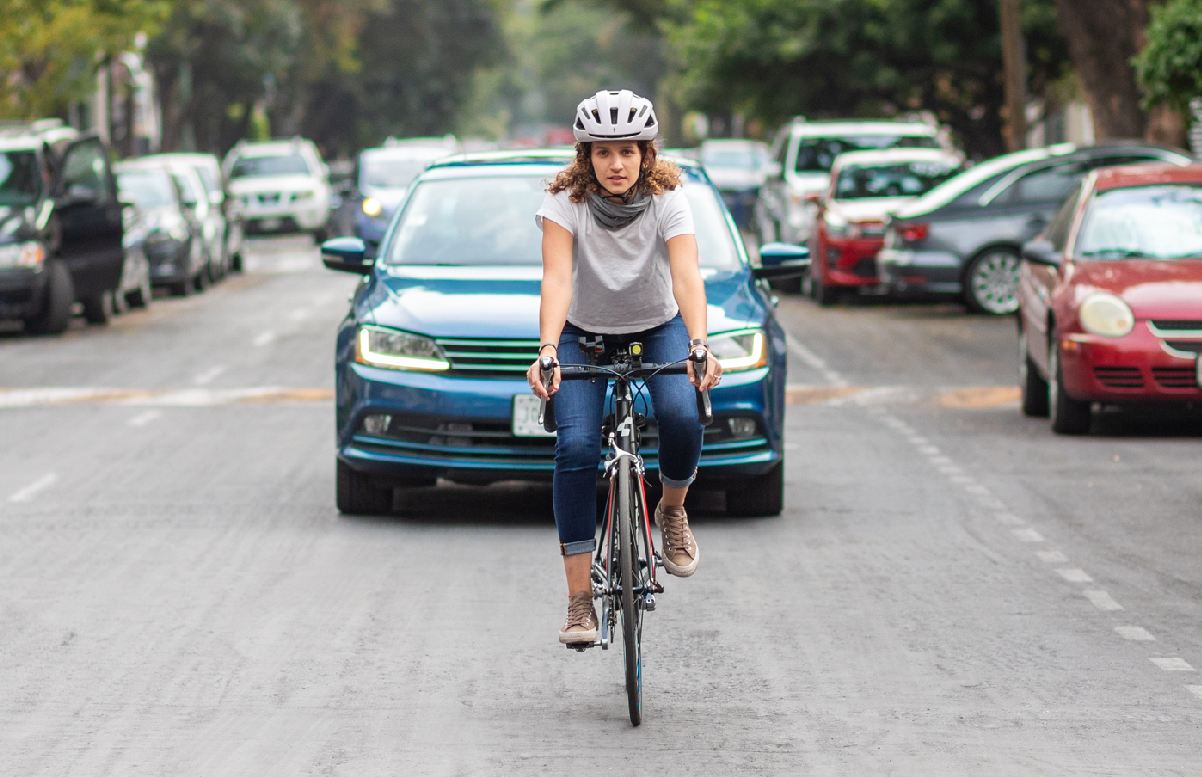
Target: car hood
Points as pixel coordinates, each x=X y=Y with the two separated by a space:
x=273 y=183
x=809 y=182
x=873 y=209
x=16 y=224
x=503 y=302
x=1153 y=289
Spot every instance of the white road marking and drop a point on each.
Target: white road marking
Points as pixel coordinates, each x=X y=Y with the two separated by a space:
x=1136 y=633
x=1074 y=575
x=815 y=362
x=208 y=376
x=1027 y=535
x=265 y=338
x=1010 y=519
x=950 y=469
x=1052 y=556
x=918 y=439
x=1172 y=664
x=1195 y=690
x=929 y=450
x=144 y=418
x=31 y=490
x=1102 y=600
x=300 y=314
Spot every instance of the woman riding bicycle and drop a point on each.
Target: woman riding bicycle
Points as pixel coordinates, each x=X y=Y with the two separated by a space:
x=620 y=262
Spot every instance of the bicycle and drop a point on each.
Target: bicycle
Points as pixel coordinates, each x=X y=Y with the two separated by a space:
x=624 y=586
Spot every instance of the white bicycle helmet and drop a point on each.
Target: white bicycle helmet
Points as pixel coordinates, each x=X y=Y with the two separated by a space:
x=610 y=115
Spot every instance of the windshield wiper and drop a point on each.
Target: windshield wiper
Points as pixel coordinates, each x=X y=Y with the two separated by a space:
x=1114 y=253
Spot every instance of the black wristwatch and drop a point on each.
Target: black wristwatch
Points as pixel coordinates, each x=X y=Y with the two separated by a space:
x=696 y=341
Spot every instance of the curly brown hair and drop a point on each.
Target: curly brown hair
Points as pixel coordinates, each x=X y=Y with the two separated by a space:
x=655 y=175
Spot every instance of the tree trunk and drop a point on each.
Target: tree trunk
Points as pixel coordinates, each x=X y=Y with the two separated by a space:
x=1103 y=36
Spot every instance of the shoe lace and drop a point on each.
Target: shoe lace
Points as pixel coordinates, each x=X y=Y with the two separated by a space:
x=676 y=534
x=580 y=612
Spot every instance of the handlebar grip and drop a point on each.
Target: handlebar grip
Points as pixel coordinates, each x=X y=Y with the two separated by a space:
x=546 y=409
x=705 y=410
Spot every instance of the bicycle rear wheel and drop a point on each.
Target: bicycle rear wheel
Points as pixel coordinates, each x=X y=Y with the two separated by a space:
x=629 y=602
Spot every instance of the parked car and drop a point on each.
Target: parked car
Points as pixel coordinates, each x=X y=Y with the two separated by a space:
x=136 y=288
x=737 y=167
x=381 y=177
x=60 y=226
x=1110 y=297
x=962 y=239
x=802 y=155
x=280 y=186
x=431 y=358
x=864 y=186
x=223 y=224
x=208 y=221
x=164 y=226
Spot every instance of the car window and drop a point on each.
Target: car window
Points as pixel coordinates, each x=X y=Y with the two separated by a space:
x=86 y=167
x=1058 y=228
x=208 y=176
x=146 y=188
x=490 y=221
x=1155 y=222
x=817 y=154
x=970 y=184
x=898 y=179
x=189 y=187
x=736 y=157
x=264 y=166
x=384 y=173
x=1047 y=184
x=20 y=178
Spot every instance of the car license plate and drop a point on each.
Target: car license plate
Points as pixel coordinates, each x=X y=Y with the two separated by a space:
x=525 y=417
x=270 y=223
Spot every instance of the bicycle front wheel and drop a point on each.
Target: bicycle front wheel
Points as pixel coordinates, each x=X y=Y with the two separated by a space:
x=630 y=602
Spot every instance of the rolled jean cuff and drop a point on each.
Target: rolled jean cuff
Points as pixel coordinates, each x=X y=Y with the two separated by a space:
x=577 y=547
x=677 y=483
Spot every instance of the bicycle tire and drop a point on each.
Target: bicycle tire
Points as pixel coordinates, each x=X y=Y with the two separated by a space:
x=631 y=633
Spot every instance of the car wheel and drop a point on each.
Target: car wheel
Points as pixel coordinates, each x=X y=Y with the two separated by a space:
x=141 y=296
x=236 y=263
x=822 y=293
x=991 y=282
x=763 y=495
x=1069 y=416
x=1032 y=388
x=98 y=308
x=359 y=495
x=55 y=314
x=181 y=288
x=201 y=281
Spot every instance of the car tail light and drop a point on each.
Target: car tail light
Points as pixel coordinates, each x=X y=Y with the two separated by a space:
x=913 y=232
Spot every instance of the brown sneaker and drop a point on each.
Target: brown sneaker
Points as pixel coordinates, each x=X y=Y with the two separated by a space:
x=581 y=625
x=680 y=550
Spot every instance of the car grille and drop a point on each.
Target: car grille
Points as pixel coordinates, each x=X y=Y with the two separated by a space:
x=865 y=268
x=1175 y=377
x=485 y=358
x=1176 y=325
x=1119 y=377
x=1185 y=346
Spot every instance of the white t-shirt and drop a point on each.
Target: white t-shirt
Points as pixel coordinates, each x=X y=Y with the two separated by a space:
x=621 y=279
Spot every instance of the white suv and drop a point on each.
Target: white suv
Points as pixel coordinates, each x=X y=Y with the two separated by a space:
x=802 y=155
x=279 y=186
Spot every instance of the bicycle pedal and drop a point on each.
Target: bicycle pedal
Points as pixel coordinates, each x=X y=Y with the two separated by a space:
x=657 y=587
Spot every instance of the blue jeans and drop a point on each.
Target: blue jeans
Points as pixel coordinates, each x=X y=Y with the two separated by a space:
x=579 y=406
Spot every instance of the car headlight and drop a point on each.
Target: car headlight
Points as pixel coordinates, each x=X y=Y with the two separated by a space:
x=1106 y=315
x=745 y=349
x=836 y=225
x=398 y=350
x=372 y=207
x=28 y=254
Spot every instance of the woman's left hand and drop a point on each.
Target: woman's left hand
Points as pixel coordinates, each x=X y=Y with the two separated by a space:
x=713 y=373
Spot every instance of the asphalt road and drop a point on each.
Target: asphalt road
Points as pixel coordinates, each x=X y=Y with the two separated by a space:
x=952 y=590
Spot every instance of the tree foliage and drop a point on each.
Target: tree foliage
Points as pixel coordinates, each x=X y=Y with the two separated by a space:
x=50 y=50
x=1169 y=68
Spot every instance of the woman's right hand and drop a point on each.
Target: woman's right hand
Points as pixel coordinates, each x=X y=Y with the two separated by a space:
x=534 y=376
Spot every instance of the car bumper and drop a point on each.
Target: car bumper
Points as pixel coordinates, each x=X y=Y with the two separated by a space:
x=917 y=271
x=461 y=428
x=168 y=262
x=289 y=219
x=22 y=291
x=851 y=262
x=1140 y=367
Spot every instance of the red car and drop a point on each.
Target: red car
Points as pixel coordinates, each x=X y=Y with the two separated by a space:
x=1110 y=297
x=864 y=187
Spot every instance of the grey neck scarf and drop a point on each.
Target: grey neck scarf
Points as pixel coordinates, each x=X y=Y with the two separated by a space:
x=615 y=215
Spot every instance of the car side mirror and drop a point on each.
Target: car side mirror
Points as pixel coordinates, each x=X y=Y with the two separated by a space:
x=1040 y=251
x=782 y=260
x=346 y=254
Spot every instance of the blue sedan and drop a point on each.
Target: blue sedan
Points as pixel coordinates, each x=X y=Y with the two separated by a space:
x=431 y=357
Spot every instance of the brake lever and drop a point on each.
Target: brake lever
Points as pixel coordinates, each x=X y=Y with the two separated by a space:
x=705 y=410
x=546 y=407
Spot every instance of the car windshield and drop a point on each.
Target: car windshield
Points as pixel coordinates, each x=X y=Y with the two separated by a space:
x=147 y=188
x=737 y=157
x=386 y=173
x=817 y=154
x=1152 y=222
x=264 y=166
x=490 y=221
x=895 y=179
x=956 y=186
x=20 y=180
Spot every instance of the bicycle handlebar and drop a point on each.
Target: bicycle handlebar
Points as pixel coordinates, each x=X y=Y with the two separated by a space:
x=628 y=372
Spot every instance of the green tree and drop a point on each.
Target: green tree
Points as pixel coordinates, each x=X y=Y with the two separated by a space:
x=50 y=50
x=1169 y=68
